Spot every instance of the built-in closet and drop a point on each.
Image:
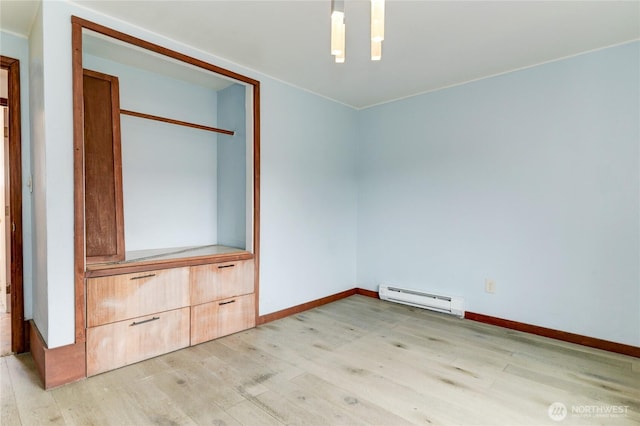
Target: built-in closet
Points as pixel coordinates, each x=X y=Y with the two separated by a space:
x=166 y=198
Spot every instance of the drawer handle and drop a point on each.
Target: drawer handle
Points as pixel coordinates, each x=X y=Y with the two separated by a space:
x=227 y=266
x=226 y=303
x=142 y=276
x=145 y=321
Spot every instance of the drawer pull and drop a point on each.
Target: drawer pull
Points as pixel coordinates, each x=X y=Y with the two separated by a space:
x=227 y=266
x=145 y=321
x=226 y=303
x=142 y=276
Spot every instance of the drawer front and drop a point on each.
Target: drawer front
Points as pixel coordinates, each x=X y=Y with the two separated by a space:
x=120 y=297
x=216 y=319
x=236 y=314
x=221 y=281
x=116 y=345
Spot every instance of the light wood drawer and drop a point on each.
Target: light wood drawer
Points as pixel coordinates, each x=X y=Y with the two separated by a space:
x=221 y=281
x=121 y=297
x=216 y=319
x=116 y=345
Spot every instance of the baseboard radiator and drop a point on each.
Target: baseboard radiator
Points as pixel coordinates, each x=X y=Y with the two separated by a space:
x=447 y=304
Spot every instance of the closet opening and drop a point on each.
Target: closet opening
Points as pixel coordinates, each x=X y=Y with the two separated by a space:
x=166 y=161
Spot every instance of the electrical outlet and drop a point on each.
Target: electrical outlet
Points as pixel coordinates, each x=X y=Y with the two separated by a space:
x=489 y=286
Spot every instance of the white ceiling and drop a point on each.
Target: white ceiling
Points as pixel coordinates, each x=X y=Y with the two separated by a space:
x=428 y=44
x=16 y=16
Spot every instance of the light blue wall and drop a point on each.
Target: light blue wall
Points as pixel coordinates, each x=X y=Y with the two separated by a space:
x=38 y=149
x=232 y=167
x=308 y=197
x=530 y=179
x=166 y=169
x=18 y=48
x=52 y=166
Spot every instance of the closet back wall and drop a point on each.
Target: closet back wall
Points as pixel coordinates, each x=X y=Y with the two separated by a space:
x=233 y=223
x=166 y=169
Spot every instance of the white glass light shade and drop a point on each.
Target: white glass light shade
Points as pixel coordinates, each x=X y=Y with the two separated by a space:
x=376 y=50
x=337 y=33
x=377 y=20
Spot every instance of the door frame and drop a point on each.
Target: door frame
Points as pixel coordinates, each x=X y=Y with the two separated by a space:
x=18 y=324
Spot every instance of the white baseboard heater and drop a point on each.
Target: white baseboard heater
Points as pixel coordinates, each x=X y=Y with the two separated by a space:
x=447 y=304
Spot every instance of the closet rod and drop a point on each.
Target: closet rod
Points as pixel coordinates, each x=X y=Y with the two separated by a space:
x=178 y=122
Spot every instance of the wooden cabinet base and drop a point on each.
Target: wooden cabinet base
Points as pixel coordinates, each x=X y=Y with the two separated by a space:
x=115 y=345
x=135 y=316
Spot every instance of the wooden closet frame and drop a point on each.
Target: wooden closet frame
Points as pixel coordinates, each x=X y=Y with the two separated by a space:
x=19 y=331
x=80 y=273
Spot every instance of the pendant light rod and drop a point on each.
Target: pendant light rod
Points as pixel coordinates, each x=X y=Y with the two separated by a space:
x=337 y=5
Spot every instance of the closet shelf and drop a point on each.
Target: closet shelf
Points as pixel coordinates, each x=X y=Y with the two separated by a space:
x=178 y=122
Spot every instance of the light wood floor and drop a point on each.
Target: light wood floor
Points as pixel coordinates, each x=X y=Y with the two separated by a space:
x=356 y=361
x=5 y=333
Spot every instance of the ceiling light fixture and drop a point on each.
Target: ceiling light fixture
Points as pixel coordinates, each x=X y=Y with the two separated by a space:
x=376 y=50
x=338 y=28
x=377 y=29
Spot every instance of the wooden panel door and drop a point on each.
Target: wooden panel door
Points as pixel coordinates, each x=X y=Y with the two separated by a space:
x=104 y=216
x=221 y=280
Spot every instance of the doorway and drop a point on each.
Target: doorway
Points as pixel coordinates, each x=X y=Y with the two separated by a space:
x=12 y=332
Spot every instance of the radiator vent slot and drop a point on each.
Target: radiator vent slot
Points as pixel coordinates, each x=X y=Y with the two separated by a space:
x=435 y=302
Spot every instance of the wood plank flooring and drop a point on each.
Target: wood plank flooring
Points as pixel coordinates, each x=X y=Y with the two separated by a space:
x=5 y=333
x=358 y=361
